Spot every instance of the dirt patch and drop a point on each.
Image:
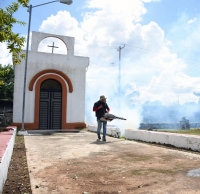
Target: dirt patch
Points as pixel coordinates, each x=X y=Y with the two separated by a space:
x=18 y=176
x=121 y=173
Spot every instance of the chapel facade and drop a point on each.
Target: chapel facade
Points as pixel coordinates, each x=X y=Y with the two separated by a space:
x=55 y=87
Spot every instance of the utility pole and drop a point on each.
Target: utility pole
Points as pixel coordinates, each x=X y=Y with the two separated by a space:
x=119 y=73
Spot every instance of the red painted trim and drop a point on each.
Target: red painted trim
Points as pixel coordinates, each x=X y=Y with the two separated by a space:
x=37 y=98
x=32 y=126
x=60 y=77
x=65 y=77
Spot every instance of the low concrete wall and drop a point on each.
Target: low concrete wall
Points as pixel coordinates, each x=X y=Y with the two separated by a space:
x=5 y=160
x=178 y=140
x=111 y=130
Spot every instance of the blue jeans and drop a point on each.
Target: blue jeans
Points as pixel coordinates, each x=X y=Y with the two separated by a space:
x=99 y=125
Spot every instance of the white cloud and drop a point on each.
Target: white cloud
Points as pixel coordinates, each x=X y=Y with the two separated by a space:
x=62 y=24
x=147 y=1
x=192 y=21
x=146 y=59
x=5 y=56
x=115 y=11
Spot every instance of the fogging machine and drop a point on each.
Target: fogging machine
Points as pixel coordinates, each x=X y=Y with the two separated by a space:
x=110 y=117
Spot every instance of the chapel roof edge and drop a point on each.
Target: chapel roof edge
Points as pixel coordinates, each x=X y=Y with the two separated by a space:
x=35 y=33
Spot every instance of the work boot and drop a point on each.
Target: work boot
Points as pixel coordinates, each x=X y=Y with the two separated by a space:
x=99 y=137
x=104 y=139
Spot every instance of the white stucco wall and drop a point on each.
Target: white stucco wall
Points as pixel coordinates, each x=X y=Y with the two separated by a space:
x=5 y=161
x=73 y=66
x=111 y=130
x=178 y=140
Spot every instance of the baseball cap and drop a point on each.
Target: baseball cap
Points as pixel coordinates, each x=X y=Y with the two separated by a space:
x=102 y=97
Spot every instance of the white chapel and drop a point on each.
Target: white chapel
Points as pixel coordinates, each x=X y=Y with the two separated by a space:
x=55 y=87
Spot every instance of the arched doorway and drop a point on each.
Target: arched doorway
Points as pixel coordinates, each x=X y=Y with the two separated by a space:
x=50 y=105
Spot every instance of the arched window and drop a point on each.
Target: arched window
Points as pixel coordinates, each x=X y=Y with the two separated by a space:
x=52 y=45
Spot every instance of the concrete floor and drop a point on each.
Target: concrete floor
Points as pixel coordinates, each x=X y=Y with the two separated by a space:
x=50 y=157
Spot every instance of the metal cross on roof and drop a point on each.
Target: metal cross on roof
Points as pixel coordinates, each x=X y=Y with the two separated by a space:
x=53 y=47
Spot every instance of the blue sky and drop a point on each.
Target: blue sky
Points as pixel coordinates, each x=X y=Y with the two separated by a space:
x=41 y=13
x=164 y=12
x=167 y=12
x=160 y=61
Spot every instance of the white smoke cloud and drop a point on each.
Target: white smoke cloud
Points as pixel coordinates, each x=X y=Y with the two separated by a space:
x=169 y=87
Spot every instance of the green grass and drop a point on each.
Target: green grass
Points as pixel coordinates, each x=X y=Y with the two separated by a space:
x=188 y=132
x=122 y=137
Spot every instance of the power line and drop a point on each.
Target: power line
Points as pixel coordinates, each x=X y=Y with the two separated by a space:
x=102 y=65
x=36 y=14
x=40 y=17
x=139 y=81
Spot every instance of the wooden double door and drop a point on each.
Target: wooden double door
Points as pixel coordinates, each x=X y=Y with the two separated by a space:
x=50 y=111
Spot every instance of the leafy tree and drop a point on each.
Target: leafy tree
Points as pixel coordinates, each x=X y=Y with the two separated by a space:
x=13 y=40
x=7 y=82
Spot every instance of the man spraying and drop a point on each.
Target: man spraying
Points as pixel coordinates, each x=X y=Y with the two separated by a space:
x=101 y=107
